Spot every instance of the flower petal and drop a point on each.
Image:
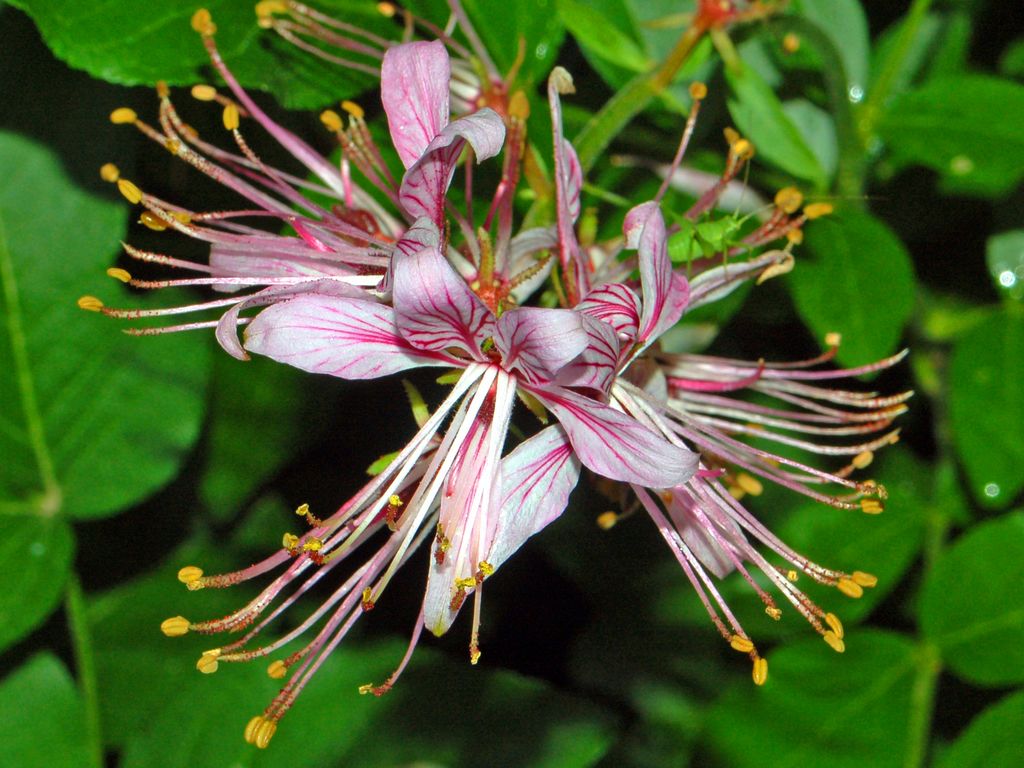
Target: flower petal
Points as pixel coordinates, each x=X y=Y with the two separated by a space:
x=568 y=183
x=616 y=304
x=596 y=367
x=537 y=478
x=426 y=182
x=664 y=293
x=414 y=83
x=539 y=342
x=349 y=338
x=422 y=234
x=615 y=445
x=435 y=307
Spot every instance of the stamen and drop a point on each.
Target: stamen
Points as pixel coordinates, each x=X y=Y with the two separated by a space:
x=817 y=210
x=259 y=731
x=607 y=520
x=833 y=640
x=864 y=579
x=332 y=120
x=204 y=92
x=871 y=506
x=131 y=192
x=231 y=117
x=123 y=116
x=109 y=172
x=207 y=663
x=789 y=199
x=202 y=23
x=835 y=624
x=176 y=626
x=191 y=577
x=849 y=588
x=741 y=644
x=277 y=669
x=119 y=274
x=760 y=673
x=90 y=303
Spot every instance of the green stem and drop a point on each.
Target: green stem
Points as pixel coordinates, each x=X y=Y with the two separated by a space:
x=884 y=82
x=629 y=101
x=81 y=638
x=922 y=704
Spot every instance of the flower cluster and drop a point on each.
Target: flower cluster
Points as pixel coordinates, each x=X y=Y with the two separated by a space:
x=351 y=272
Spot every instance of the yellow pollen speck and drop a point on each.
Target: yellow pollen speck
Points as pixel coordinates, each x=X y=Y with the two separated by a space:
x=743 y=149
x=474 y=655
x=151 y=221
x=110 y=172
x=189 y=574
x=466 y=583
x=386 y=9
x=795 y=236
x=366 y=688
x=774 y=612
x=698 y=90
x=367 y=601
x=833 y=339
x=207 y=663
x=90 y=303
x=817 y=210
x=123 y=115
x=202 y=23
x=741 y=644
x=864 y=579
x=863 y=459
x=871 y=506
x=173 y=146
x=204 y=92
x=289 y=541
x=277 y=669
x=749 y=483
x=312 y=545
x=789 y=199
x=849 y=588
x=176 y=626
x=837 y=645
x=760 y=673
x=302 y=510
x=231 y=117
x=486 y=568
x=835 y=624
x=791 y=43
x=250 y=728
x=792 y=575
x=607 y=520
x=130 y=192
x=395 y=500
x=331 y=119
x=119 y=274
x=353 y=109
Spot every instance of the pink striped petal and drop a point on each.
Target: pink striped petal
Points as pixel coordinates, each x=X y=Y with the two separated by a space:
x=539 y=342
x=537 y=478
x=426 y=182
x=435 y=308
x=568 y=184
x=348 y=338
x=414 y=80
x=664 y=293
x=615 y=445
x=422 y=234
x=596 y=367
x=617 y=305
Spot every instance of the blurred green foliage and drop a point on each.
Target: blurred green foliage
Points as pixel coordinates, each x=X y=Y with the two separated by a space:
x=123 y=459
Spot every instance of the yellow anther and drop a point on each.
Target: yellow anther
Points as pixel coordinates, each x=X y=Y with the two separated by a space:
x=474 y=655
x=607 y=520
x=731 y=135
x=749 y=484
x=119 y=274
x=395 y=500
x=204 y=92
x=353 y=109
x=202 y=23
x=467 y=583
x=486 y=568
x=775 y=613
x=833 y=339
x=849 y=588
x=519 y=106
x=123 y=115
x=789 y=199
x=367 y=601
x=792 y=575
x=181 y=216
x=130 y=192
x=698 y=90
x=834 y=624
x=207 y=663
x=387 y=9
x=176 y=626
x=277 y=669
x=190 y=573
x=250 y=729
x=312 y=544
x=366 y=688
x=302 y=510
x=795 y=236
x=781 y=267
x=331 y=119
x=864 y=579
x=151 y=221
x=832 y=639
x=760 y=673
x=110 y=172
x=817 y=210
x=871 y=506
x=264 y=733
x=743 y=149
x=90 y=303
x=270 y=7
x=741 y=644
x=231 y=116
x=162 y=90
x=562 y=80
x=791 y=43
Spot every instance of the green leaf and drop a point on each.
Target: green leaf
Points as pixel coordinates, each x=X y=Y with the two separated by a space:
x=972 y=607
x=35 y=559
x=844 y=23
x=1011 y=63
x=819 y=131
x=963 y=127
x=1005 y=256
x=993 y=738
x=602 y=38
x=760 y=117
x=987 y=406
x=43 y=723
x=121 y=45
x=858 y=282
x=820 y=708
x=88 y=431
